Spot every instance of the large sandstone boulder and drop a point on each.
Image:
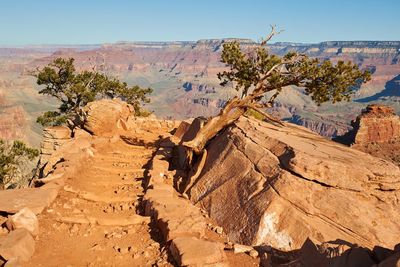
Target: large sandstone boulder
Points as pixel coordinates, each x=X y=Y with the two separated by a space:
x=104 y=117
x=281 y=185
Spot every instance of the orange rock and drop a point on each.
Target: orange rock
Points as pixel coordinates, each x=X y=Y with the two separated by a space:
x=279 y=186
x=36 y=199
x=101 y=118
x=376 y=124
x=26 y=219
x=190 y=251
x=17 y=244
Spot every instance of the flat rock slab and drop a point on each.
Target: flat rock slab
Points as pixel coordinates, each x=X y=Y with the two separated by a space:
x=17 y=244
x=191 y=251
x=120 y=221
x=36 y=199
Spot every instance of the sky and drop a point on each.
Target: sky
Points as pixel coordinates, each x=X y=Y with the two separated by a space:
x=24 y=22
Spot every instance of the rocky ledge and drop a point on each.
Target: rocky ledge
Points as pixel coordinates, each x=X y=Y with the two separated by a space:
x=278 y=186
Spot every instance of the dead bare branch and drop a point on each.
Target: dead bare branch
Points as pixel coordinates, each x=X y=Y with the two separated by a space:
x=270 y=35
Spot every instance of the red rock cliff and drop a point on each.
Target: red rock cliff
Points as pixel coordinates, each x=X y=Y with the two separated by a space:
x=376 y=124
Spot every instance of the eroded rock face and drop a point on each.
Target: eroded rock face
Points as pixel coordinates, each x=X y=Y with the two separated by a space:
x=376 y=131
x=377 y=123
x=104 y=117
x=281 y=185
x=53 y=138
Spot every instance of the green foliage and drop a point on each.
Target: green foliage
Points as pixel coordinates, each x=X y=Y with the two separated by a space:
x=75 y=89
x=255 y=114
x=52 y=118
x=262 y=72
x=12 y=158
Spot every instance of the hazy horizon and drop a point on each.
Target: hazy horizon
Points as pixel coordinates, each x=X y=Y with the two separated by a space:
x=172 y=41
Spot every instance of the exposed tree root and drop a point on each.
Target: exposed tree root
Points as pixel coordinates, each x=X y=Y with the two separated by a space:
x=191 y=179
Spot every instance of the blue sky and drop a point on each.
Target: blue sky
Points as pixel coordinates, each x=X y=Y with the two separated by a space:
x=98 y=21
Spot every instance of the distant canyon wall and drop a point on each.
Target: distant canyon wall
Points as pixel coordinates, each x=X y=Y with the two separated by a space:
x=184 y=78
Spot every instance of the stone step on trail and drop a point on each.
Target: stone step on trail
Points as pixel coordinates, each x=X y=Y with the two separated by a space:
x=92 y=235
x=106 y=221
x=109 y=198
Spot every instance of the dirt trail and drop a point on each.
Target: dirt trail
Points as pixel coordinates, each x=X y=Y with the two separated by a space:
x=95 y=219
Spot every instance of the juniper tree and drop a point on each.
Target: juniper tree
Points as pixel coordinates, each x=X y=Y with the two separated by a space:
x=13 y=157
x=256 y=72
x=76 y=89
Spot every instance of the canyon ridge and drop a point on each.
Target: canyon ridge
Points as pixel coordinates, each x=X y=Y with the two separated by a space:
x=183 y=75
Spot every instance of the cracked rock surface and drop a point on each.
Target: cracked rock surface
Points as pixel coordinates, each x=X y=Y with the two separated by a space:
x=270 y=185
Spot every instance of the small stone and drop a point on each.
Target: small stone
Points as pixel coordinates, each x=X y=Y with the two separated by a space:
x=98 y=247
x=146 y=254
x=74 y=229
x=253 y=253
x=136 y=256
x=124 y=250
x=237 y=248
x=66 y=206
x=219 y=230
x=116 y=235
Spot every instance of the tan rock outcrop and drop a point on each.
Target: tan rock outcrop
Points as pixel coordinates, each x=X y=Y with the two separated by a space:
x=375 y=131
x=376 y=124
x=104 y=117
x=280 y=185
x=53 y=138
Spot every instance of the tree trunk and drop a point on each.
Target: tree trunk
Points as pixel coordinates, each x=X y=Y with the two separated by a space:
x=226 y=117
